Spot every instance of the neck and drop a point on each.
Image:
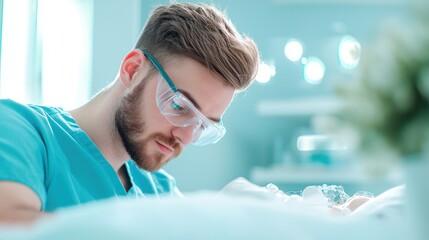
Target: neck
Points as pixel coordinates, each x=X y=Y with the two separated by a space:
x=97 y=119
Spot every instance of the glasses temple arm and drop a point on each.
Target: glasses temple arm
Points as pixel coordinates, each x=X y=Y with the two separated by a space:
x=161 y=70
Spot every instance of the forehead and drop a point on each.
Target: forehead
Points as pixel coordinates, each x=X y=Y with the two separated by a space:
x=206 y=89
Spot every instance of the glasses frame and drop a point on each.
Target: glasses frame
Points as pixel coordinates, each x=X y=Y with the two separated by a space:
x=161 y=71
x=217 y=125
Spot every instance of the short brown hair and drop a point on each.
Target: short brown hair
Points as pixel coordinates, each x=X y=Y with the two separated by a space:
x=203 y=33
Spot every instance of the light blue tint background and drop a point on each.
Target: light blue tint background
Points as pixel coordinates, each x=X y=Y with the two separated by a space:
x=250 y=137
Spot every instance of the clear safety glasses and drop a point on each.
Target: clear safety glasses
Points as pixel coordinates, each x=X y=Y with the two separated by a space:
x=181 y=112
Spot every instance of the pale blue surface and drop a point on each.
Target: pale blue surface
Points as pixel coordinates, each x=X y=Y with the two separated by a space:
x=205 y=216
x=45 y=149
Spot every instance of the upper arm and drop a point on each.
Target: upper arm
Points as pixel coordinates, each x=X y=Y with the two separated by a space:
x=18 y=203
x=22 y=157
x=13 y=194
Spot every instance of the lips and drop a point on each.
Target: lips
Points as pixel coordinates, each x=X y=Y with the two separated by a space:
x=164 y=148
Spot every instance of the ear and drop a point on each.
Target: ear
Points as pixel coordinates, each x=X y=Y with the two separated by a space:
x=130 y=65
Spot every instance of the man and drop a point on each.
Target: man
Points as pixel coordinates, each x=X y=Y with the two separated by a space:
x=171 y=91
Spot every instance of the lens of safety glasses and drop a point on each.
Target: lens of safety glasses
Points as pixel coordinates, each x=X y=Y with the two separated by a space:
x=181 y=112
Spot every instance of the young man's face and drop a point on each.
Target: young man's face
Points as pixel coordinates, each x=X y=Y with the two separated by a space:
x=150 y=140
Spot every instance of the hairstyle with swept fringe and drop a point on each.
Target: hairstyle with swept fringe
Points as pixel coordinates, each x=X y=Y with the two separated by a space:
x=204 y=34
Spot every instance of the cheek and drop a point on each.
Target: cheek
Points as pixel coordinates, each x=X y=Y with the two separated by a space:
x=154 y=120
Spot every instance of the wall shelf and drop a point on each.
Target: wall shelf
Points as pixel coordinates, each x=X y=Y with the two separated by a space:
x=299 y=107
x=315 y=174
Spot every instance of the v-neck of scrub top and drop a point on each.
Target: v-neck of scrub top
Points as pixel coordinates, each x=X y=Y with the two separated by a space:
x=96 y=154
x=134 y=190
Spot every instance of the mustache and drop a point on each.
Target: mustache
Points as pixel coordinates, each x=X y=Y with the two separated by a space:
x=171 y=141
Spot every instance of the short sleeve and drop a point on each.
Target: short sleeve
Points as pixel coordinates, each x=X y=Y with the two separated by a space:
x=22 y=149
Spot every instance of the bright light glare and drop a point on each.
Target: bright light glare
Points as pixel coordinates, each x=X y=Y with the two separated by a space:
x=319 y=142
x=15 y=50
x=293 y=50
x=349 y=50
x=66 y=27
x=314 y=70
x=265 y=72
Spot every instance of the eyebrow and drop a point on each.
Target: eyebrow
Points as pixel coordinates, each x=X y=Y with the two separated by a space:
x=189 y=96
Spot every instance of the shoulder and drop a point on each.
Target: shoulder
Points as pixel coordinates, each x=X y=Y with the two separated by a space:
x=23 y=127
x=15 y=116
x=25 y=116
x=23 y=157
x=18 y=112
x=10 y=108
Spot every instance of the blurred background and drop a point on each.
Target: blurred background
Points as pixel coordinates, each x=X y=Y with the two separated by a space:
x=63 y=52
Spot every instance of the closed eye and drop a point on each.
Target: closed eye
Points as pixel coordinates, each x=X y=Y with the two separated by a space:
x=176 y=106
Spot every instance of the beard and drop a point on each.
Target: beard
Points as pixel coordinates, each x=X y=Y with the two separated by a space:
x=131 y=127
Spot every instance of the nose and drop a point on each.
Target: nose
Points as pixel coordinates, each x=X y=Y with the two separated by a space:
x=184 y=134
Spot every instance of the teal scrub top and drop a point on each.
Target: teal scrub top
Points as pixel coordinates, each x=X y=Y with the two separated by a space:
x=44 y=148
